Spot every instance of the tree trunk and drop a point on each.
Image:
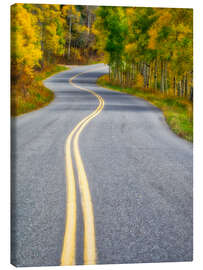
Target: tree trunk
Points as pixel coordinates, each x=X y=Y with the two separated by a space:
x=42 y=44
x=182 y=87
x=151 y=75
x=134 y=71
x=165 y=76
x=191 y=93
x=121 y=75
x=179 y=88
x=147 y=75
x=144 y=74
x=155 y=75
x=174 y=85
x=69 y=40
x=88 y=20
x=191 y=88
x=186 y=85
x=162 y=76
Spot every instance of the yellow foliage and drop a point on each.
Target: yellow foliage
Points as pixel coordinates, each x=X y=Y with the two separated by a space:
x=152 y=40
x=25 y=48
x=165 y=17
x=70 y=10
x=130 y=11
x=139 y=80
x=130 y=47
x=76 y=54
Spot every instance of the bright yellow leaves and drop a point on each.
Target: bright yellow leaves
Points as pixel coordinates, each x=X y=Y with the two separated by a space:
x=37 y=33
x=152 y=40
x=70 y=10
x=25 y=48
x=163 y=20
x=43 y=34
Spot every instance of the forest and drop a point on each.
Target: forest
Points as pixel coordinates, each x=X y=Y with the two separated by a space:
x=43 y=36
x=151 y=48
x=152 y=45
x=46 y=34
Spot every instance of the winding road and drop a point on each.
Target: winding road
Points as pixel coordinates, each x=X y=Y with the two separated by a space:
x=98 y=177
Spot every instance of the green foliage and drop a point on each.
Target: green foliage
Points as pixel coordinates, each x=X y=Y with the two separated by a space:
x=155 y=42
x=145 y=47
x=115 y=28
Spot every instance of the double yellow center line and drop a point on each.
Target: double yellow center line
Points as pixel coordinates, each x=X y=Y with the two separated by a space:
x=69 y=244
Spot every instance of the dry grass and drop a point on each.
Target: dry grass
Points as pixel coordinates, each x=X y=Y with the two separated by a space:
x=30 y=95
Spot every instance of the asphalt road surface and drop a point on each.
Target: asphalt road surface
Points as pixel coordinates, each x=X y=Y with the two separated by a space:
x=129 y=197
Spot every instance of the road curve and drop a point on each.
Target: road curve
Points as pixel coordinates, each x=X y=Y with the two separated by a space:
x=139 y=178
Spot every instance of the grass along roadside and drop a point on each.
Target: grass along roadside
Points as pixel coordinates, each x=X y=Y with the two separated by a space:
x=26 y=97
x=178 y=112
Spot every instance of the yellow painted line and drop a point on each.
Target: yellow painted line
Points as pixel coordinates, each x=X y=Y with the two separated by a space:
x=87 y=207
x=68 y=252
x=69 y=244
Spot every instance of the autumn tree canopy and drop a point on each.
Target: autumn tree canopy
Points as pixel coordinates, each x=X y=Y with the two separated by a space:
x=43 y=34
x=152 y=46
